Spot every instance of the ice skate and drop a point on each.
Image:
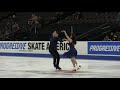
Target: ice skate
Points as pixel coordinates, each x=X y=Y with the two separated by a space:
x=78 y=67
x=58 y=68
x=74 y=69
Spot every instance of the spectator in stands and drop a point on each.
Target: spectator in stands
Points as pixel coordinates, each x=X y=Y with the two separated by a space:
x=8 y=25
x=14 y=18
x=33 y=23
x=78 y=15
x=107 y=38
x=33 y=20
x=15 y=26
x=111 y=35
x=29 y=20
x=115 y=38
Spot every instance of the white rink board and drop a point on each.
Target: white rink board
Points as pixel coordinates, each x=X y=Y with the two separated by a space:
x=86 y=50
x=81 y=47
x=43 y=47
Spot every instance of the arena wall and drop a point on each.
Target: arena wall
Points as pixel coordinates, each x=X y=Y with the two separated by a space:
x=86 y=50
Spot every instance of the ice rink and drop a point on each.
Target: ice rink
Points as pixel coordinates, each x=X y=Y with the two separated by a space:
x=28 y=67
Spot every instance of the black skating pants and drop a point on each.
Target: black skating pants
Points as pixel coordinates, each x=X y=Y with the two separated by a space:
x=56 y=57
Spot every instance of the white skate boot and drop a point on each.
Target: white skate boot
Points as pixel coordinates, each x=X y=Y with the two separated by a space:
x=77 y=67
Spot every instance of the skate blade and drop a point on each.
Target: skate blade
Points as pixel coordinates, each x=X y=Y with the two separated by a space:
x=78 y=67
x=58 y=69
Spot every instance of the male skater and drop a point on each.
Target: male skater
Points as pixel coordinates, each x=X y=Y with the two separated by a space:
x=53 y=49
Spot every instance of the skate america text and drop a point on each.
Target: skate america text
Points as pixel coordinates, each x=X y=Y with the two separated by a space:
x=45 y=46
x=105 y=48
x=10 y=45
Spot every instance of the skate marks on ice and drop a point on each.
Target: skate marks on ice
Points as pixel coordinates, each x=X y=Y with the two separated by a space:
x=41 y=73
x=71 y=72
x=24 y=67
x=56 y=72
x=68 y=71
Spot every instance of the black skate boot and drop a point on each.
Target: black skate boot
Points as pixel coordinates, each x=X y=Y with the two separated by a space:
x=58 y=68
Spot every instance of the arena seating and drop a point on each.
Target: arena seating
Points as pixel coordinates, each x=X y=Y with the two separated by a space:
x=81 y=22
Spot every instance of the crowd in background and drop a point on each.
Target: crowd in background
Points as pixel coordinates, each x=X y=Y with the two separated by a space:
x=11 y=24
x=111 y=37
x=36 y=22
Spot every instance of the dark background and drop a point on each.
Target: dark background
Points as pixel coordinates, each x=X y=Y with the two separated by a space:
x=19 y=8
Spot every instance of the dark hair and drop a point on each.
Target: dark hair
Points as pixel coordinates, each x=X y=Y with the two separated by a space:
x=54 y=30
x=74 y=39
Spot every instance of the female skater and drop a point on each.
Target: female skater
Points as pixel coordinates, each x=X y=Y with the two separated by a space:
x=72 y=53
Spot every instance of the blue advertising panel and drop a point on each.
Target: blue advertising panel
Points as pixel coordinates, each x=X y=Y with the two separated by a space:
x=109 y=48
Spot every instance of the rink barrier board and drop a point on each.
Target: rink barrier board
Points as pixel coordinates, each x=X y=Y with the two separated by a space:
x=79 y=57
x=86 y=50
x=104 y=48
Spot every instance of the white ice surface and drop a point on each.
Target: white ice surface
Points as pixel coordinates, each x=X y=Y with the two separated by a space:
x=28 y=67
